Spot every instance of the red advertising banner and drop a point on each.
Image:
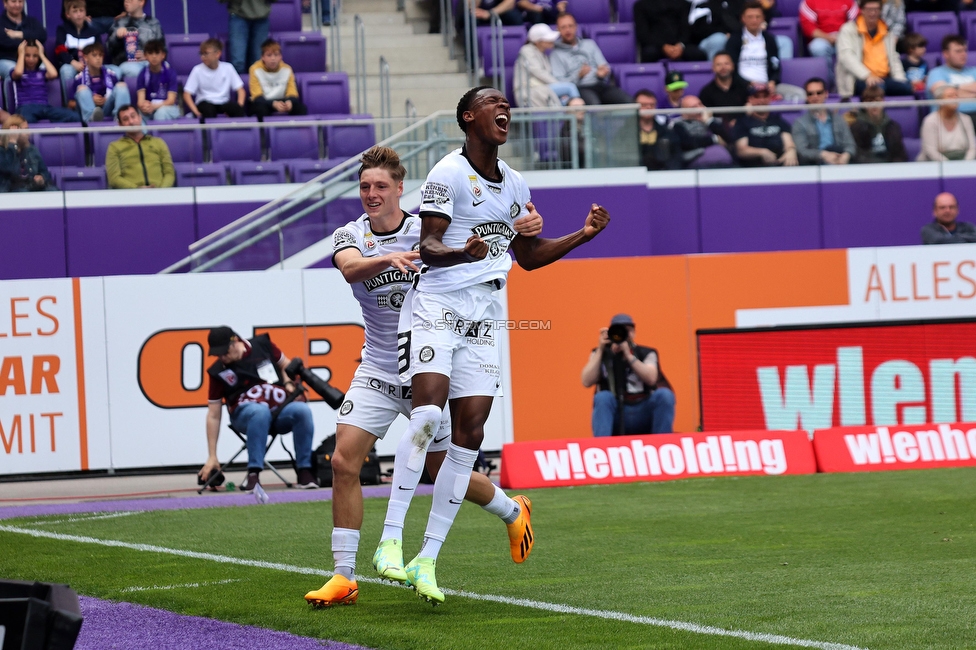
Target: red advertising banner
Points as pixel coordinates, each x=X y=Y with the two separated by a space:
x=661 y=457
x=873 y=449
x=847 y=375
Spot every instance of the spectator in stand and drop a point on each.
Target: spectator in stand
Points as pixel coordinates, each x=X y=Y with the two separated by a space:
x=821 y=137
x=955 y=72
x=727 y=88
x=710 y=24
x=540 y=11
x=820 y=22
x=663 y=32
x=754 y=52
x=914 y=63
x=72 y=36
x=273 y=87
x=96 y=91
x=580 y=61
x=21 y=167
x=696 y=132
x=247 y=30
x=104 y=13
x=893 y=16
x=947 y=134
x=654 y=136
x=534 y=84
x=674 y=86
x=866 y=55
x=506 y=11
x=945 y=228
x=878 y=138
x=762 y=139
x=158 y=85
x=30 y=75
x=15 y=28
x=208 y=90
x=128 y=37
x=137 y=159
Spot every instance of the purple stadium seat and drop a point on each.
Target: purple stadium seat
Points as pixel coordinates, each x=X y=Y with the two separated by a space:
x=207 y=16
x=348 y=140
x=934 y=26
x=200 y=175
x=326 y=92
x=303 y=171
x=234 y=144
x=132 y=83
x=970 y=58
x=62 y=149
x=53 y=94
x=714 y=156
x=967 y=22
x=696 y=73
x=913 y=146
x=625 y=11
x=100 y=142
x=907 y=117
x=81 y=178
x=184 y=51
x=286 y=16
x=797 y=71
x=790 y=28
x=934 y=59
x=616 y=41
x=590 y=11
x=789 y=8
x=257 y=173
x=289 y=142
x=303 y=51
x=169 y=15
x=513 y=38
x=184 y=146
x=633 y=77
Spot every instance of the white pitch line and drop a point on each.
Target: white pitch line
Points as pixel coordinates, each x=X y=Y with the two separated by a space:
x=774 y=639
x=113 y=515
x=188 y=585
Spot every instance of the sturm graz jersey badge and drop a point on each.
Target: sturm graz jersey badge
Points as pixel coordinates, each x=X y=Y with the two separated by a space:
x=346 y=408
x=426 y=354
x=497 y=234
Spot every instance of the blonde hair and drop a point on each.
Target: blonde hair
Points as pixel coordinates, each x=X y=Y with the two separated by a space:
x=383 y=158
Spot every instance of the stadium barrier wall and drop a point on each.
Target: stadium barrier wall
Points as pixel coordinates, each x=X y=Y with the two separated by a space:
x=662 y=457
x=879 y=448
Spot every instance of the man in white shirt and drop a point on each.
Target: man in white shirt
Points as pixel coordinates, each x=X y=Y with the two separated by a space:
x=208 y=90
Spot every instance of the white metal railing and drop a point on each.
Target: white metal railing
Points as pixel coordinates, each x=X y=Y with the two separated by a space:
x=359 y=44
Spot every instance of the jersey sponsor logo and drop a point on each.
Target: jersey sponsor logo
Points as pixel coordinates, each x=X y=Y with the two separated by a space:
x=475 y=204
x=441 y=439
x=497 y=234
x=426 y=354
x=477 y=332
x=494 y=188
x=515 y=209
x=346 y=408
x=435 y=193
x=393 y=276
x=229 y=376
x=343 y=237
x=388 y=240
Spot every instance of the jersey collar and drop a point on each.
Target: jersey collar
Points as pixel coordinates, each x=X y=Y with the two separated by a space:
x=403 y=220
x=499 y=179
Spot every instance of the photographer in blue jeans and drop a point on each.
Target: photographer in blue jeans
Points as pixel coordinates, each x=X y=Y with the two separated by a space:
x=633 y=396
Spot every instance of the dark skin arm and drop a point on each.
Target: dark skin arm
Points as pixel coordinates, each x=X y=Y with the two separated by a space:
x=434 y=252
x=535 y=252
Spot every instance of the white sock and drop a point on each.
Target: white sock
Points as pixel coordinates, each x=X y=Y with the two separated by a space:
x=408 y=465
x=503 y=507
x=449 y=490
x=345 y=543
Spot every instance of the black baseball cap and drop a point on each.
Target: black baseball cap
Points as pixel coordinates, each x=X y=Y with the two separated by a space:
x=220 y=339
x=675 y=81
x=622 y=319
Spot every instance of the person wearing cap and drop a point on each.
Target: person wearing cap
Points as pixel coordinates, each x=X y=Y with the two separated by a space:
x=249 y=377
x=644 y=393
x=534 y=83
x=821 y=136
x=580 y=61
x=761 y=138
x=664 y=33
x=674 y=86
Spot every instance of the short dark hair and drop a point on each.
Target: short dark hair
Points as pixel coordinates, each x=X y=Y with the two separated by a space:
x=751 y=4
x=722 y=53
x=814 y=80
x=465 y=104
x=913 y=40
x=566 y=14
x=646 y=93
x=863 y=3
x=383 y=158
x=952 y=38
x=873 y=93
x=123 y=108
x=94 y=47
x=155 y=46
x=212 y=43
x=270 y=44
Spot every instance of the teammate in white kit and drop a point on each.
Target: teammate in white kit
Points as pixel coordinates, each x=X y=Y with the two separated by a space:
x=470 y=207
x=376 y=254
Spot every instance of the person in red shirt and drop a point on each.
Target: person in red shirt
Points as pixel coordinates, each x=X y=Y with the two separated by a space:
x=249 y=377
x=820 y=21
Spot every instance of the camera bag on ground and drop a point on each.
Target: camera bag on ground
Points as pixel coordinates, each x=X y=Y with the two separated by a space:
x=322 y=464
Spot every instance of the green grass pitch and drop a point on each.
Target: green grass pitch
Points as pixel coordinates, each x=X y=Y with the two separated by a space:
x=881 y=560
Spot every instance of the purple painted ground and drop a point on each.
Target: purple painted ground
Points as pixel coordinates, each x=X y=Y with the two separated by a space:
x=125 y=625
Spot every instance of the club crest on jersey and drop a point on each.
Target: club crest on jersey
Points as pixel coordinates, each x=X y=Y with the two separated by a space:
x=229 y=376
x=394 y=300
x=346 y=408
x=474 y=186
x=426 y=354
x=515 y=209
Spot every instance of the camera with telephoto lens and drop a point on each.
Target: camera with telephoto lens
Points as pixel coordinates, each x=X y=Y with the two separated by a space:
x=618 y=333
x=333 y=396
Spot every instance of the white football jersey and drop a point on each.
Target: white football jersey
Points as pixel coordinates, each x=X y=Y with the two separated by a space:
x=475 y=206
x=381 y=296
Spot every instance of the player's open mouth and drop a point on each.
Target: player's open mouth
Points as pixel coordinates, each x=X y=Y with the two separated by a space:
x=501 y=121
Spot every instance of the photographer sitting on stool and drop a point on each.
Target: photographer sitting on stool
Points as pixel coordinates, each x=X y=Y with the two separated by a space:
x=629 y=380
x=248 y=377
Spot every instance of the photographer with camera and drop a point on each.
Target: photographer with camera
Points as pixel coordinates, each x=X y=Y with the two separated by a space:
x=254 y=379
x=633 y=396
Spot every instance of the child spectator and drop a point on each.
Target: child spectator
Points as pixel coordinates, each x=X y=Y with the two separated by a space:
x=103 y=13
x=71 y=37
x=96 y=91
x=273 y=87
x=30 y=75
x=128 y=38
x=157 y=85
x=916 y=67
x=208 y=89
x=15 y=28
x=21 y=167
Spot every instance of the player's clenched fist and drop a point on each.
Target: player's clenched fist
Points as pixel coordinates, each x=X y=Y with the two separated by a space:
x=596 y=220
x=529 y=225
x=475 y=248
